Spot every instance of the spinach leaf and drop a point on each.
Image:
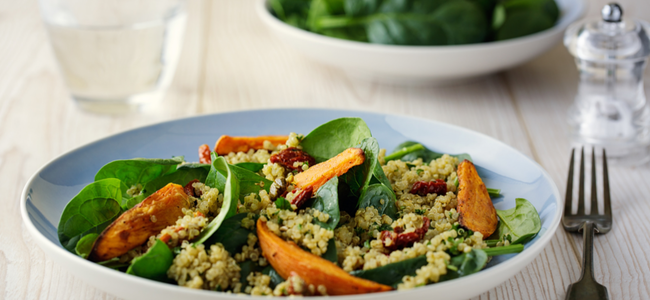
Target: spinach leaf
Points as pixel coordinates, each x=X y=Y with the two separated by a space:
x=331 y=253
x=85 y=245
x=333 y=137
x=230 y=195
x=251 y=166
x=524 y=17
x=114 y=263
x=317 y=9
x=248 y=181
x=393 y=273
x=355 y=8
x=375 y=195
x=90 y=211
x=522 y=222
x=282 y=203
x=465 y=264
x=327 y=201
x=380 y=177
x=359 y=176
x=292 y=12
x=406 y=30
x=525 y=22
x=231 y=234
x=425 y=154
x=275 y=277
x=138 y=170
x=182 y=176
x=153 y=264
x=246 y=268
x=463 y=22
x=128 y=203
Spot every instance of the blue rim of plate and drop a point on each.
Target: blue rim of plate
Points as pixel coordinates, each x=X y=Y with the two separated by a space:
x=35 y=221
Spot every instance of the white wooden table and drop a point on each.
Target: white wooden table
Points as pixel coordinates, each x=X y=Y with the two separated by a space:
x=230 y=61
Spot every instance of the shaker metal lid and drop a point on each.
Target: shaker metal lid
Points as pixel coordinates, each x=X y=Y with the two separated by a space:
x=609 y=39
x=612 y=12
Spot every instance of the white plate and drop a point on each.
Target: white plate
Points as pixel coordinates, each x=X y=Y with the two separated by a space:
x=50 y=188
x=421 y=64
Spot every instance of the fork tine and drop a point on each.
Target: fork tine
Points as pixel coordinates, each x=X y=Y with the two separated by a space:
x=608 y=204
x=581 y=186
x=594 y=191
x=569 y=186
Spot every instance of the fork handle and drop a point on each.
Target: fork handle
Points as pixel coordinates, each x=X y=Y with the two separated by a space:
x=587 y=287
x=588 y=250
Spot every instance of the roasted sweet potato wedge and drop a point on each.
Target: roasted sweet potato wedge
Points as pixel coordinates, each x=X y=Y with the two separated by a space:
x=137 y=224
x=338 y=165
x=287 y=257
x=475 y=208
x=227 y=144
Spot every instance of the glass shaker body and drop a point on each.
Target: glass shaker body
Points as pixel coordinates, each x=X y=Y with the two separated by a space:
x=610 y=109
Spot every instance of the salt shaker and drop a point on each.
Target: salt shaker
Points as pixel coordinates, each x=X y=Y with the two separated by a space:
x=610 y=109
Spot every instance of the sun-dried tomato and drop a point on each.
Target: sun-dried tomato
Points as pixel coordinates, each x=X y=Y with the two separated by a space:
x=189 y=189
x=303 y=196
x=204 y=154
x=289 y=156
x=396 y=239
x=423 y=188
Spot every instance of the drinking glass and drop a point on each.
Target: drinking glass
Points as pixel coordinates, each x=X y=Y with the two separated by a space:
x=115 y=56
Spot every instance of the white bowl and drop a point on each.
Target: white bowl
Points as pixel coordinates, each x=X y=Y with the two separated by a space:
x=421 y=64
x=48 y=191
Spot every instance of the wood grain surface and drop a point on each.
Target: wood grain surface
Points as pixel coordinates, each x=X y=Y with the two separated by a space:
x=230 y=61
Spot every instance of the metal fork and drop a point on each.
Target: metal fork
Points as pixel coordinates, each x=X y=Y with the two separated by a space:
x=587 y=287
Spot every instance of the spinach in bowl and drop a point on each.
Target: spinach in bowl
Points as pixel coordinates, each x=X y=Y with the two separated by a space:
x=419 y=22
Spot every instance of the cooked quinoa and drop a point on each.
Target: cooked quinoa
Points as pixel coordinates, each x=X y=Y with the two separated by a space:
x=356 y=238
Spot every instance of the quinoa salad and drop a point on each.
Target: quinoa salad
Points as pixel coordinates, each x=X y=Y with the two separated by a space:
x=326 y=213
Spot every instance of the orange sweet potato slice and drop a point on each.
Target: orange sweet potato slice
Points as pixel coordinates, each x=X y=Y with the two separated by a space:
x=287 y=257
x=137 y=224
x=227 y=144
x=475 y=208
x=338 y=165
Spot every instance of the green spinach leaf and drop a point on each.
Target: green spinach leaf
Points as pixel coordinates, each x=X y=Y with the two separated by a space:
x=380 y=197
x=230 y=195
x=331 y=253
x=138 y=170
x=247 y=268
x=355 y=8
x=462 y=21
x=380 y=177
x=282 y=203
x=359 y=176
x=231 y=234
x=333 y=137
x=393 y=273
x=522 y=222
x=251 y=166
x=327 y=201
x=275 y=277
x=153 y=264
x=90 y=211
x=249 y=181
x=85 y=245
x=465 y=264
x=182 y=176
